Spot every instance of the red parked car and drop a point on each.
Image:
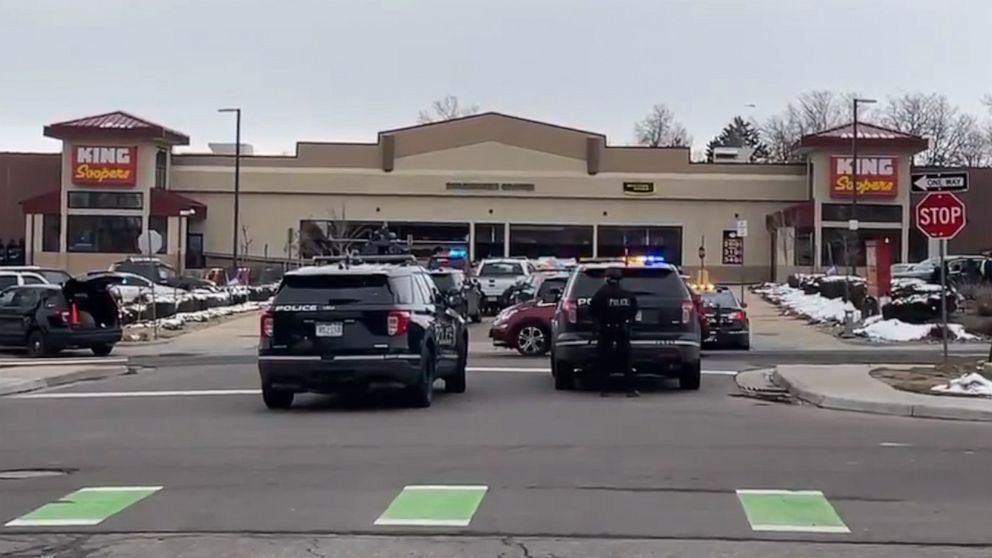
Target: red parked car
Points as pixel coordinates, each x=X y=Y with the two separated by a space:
x=526 y=326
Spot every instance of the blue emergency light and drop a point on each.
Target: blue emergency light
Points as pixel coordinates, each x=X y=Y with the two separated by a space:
x=457 y=253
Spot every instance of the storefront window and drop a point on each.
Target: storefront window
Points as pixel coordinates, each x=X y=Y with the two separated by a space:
x=804 y=246
x=488 y=240
x=103 y=233
x=51 y=229
x=425 y=239
x=615 y=241
x=838 y=243
x=105 y=200
x=563 y=241
x=161 y=226
x=328 y=237
x=865 y=212
x=161 y=168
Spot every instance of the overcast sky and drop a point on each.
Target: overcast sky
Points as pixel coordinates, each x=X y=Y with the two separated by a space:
x=339 y=70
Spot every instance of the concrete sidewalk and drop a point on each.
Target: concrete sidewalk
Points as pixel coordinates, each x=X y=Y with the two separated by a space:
x=770 y=330
x=851 y=388
x=32 y=374
x=234 y=335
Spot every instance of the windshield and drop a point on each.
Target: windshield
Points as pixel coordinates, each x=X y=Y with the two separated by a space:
x=445 y=281
x=54 y=277
x=657 y=282
x=501 y=269
x=336 y=289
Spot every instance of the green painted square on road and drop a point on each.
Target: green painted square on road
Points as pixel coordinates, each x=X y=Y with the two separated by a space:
x=434 y=505
x=86 y=506
x=790 y=510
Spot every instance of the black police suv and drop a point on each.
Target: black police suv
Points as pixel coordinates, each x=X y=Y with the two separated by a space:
x=378 y=320
x=727 y=319
x=464 y=292
x=665 y=336
x=81 y=313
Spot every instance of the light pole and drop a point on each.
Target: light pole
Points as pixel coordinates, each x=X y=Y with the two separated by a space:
x=237 y=181
x=853 y=221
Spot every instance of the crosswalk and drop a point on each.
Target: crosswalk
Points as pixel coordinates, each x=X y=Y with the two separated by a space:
x=441 y=506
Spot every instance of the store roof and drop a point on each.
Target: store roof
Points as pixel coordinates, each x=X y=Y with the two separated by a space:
x=870 y=134
x=114 y=125
x=163 y=204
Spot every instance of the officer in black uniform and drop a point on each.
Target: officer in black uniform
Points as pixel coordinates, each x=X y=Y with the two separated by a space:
x=614 y=308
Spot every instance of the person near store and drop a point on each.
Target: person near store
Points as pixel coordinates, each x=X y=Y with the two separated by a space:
x=613 y=308
x=3 y=253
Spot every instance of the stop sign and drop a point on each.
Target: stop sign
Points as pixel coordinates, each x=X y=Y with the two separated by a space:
x=940 y=215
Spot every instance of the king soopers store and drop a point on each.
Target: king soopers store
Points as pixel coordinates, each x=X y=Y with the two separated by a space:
x=491 y=184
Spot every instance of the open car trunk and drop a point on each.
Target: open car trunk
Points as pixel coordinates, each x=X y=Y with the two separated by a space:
x=94 y=304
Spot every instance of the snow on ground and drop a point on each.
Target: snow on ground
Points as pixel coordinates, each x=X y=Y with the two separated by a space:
x=877 y=329
x=815 y=307
x=969 y=384
x=177 y=321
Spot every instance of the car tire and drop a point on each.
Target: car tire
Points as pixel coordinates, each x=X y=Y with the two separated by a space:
x=744 y=344
x=563 y=374
x=277 y=399
x=477 y=317
x=102 y=349
x=421 y=395
x=531 y=340
x=455 y=383
x=37 y=345
x=691 y=376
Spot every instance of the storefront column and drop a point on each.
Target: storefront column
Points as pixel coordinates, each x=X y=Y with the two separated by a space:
x=595 y=241
x=506 y=240
x=471 y=242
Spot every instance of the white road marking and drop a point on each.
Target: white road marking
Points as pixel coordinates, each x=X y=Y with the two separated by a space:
x=423 y=522
x=779 y=492
x=445 y=487
x=51 y=522
x=894 y=444
x=548 y=370
x=802 y=528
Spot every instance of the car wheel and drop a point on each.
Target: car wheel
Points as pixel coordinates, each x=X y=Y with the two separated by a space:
x=421 y=395
x=456 y=382
x=745 y=343
x=37 y=344
x=102 y=350
x=277 y=398
x=477 y=317
x=691 y=376
x=564 y=375
x=531 y=340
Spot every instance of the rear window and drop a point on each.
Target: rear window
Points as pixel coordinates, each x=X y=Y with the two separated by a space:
x=719 y=299
x=548 y=285
x=658 y=282
x=445 y=281
x=344 y=289
x=7 y=281
x=497 y=269
x=55 y=277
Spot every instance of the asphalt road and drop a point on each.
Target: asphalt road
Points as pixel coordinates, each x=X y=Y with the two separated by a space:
x=565 y=474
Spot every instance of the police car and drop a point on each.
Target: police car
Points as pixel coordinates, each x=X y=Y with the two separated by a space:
x=354 y=323
x=665 y=336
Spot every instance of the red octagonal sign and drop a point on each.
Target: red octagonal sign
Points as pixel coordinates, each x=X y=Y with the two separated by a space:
x=940 y=215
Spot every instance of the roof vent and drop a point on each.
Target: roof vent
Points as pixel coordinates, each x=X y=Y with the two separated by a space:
x=732 y=154
x=221 y=148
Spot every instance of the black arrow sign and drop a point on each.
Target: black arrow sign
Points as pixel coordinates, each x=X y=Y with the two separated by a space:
x=940 y=182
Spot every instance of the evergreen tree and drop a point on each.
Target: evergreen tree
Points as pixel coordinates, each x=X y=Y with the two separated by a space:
x=739 y=133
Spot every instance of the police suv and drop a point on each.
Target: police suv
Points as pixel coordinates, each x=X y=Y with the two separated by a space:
x=355 y=323
x=665 y=336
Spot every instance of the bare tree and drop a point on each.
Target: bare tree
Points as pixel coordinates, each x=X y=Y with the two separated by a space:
x=813 y=111
x=446 y=109
x=660 y=129
x=955 y=138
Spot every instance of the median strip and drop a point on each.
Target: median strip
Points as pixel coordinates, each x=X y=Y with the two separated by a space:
x=86 y=506
x=433 y=506
x=805 y=511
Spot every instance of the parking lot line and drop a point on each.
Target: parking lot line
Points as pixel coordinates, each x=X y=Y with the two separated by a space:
x=86 y=506
x=433 y=506
x=806 y=511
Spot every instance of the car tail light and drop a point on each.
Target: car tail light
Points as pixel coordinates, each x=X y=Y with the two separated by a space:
x=687 y=308
x=65 y=316
x=397 y=323
x=738 y=316
x=571 y=310
x=267 y=325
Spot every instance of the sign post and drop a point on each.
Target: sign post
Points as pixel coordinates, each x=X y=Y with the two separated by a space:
x=742 y=234
x=941 y=216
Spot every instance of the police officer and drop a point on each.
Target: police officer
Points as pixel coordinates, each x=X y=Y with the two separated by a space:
x=614 y=308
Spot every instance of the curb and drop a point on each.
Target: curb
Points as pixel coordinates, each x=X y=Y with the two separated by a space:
x=825 y=401
x=62 y=379
x=82 y=361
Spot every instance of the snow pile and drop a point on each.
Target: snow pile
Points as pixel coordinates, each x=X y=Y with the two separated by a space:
x=813 y=306
x=177 y=321
x=878 y=329
x=969 y=384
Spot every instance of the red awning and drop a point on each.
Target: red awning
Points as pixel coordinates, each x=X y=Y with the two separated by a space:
x=164 y=204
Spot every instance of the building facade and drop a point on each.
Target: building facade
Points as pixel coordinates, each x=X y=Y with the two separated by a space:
x=489 y=184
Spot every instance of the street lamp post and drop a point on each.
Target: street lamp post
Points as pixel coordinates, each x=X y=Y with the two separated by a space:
x=852 y=224
x=237 y=181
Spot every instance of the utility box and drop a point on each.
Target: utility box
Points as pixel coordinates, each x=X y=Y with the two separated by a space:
x=879 y=260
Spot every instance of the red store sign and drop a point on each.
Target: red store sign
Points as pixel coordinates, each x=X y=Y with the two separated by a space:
x=878 y=176
x=104 y=165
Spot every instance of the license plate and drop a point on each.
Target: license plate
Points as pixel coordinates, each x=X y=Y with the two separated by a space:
x=332 y=329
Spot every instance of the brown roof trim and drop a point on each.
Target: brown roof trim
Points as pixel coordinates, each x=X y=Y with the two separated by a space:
x=490 y=114
x=918 y=144
x=115 y=124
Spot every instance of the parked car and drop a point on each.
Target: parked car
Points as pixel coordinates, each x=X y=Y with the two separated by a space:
x=497 y=275
x=51 y=275
x=665 y=337
x=133 y=286
x=48 y=318
x=526 y=326
x=15 y=278
x=160 y=272
x=958 y=269
x=727 y=319
x=465 y=292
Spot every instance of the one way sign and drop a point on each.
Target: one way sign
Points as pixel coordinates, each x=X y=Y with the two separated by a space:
x=940 y=182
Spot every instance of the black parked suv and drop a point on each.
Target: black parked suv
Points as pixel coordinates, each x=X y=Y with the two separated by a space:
x=465 y=293
x=45 y=319
x=665 y=337
x=358 y=323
